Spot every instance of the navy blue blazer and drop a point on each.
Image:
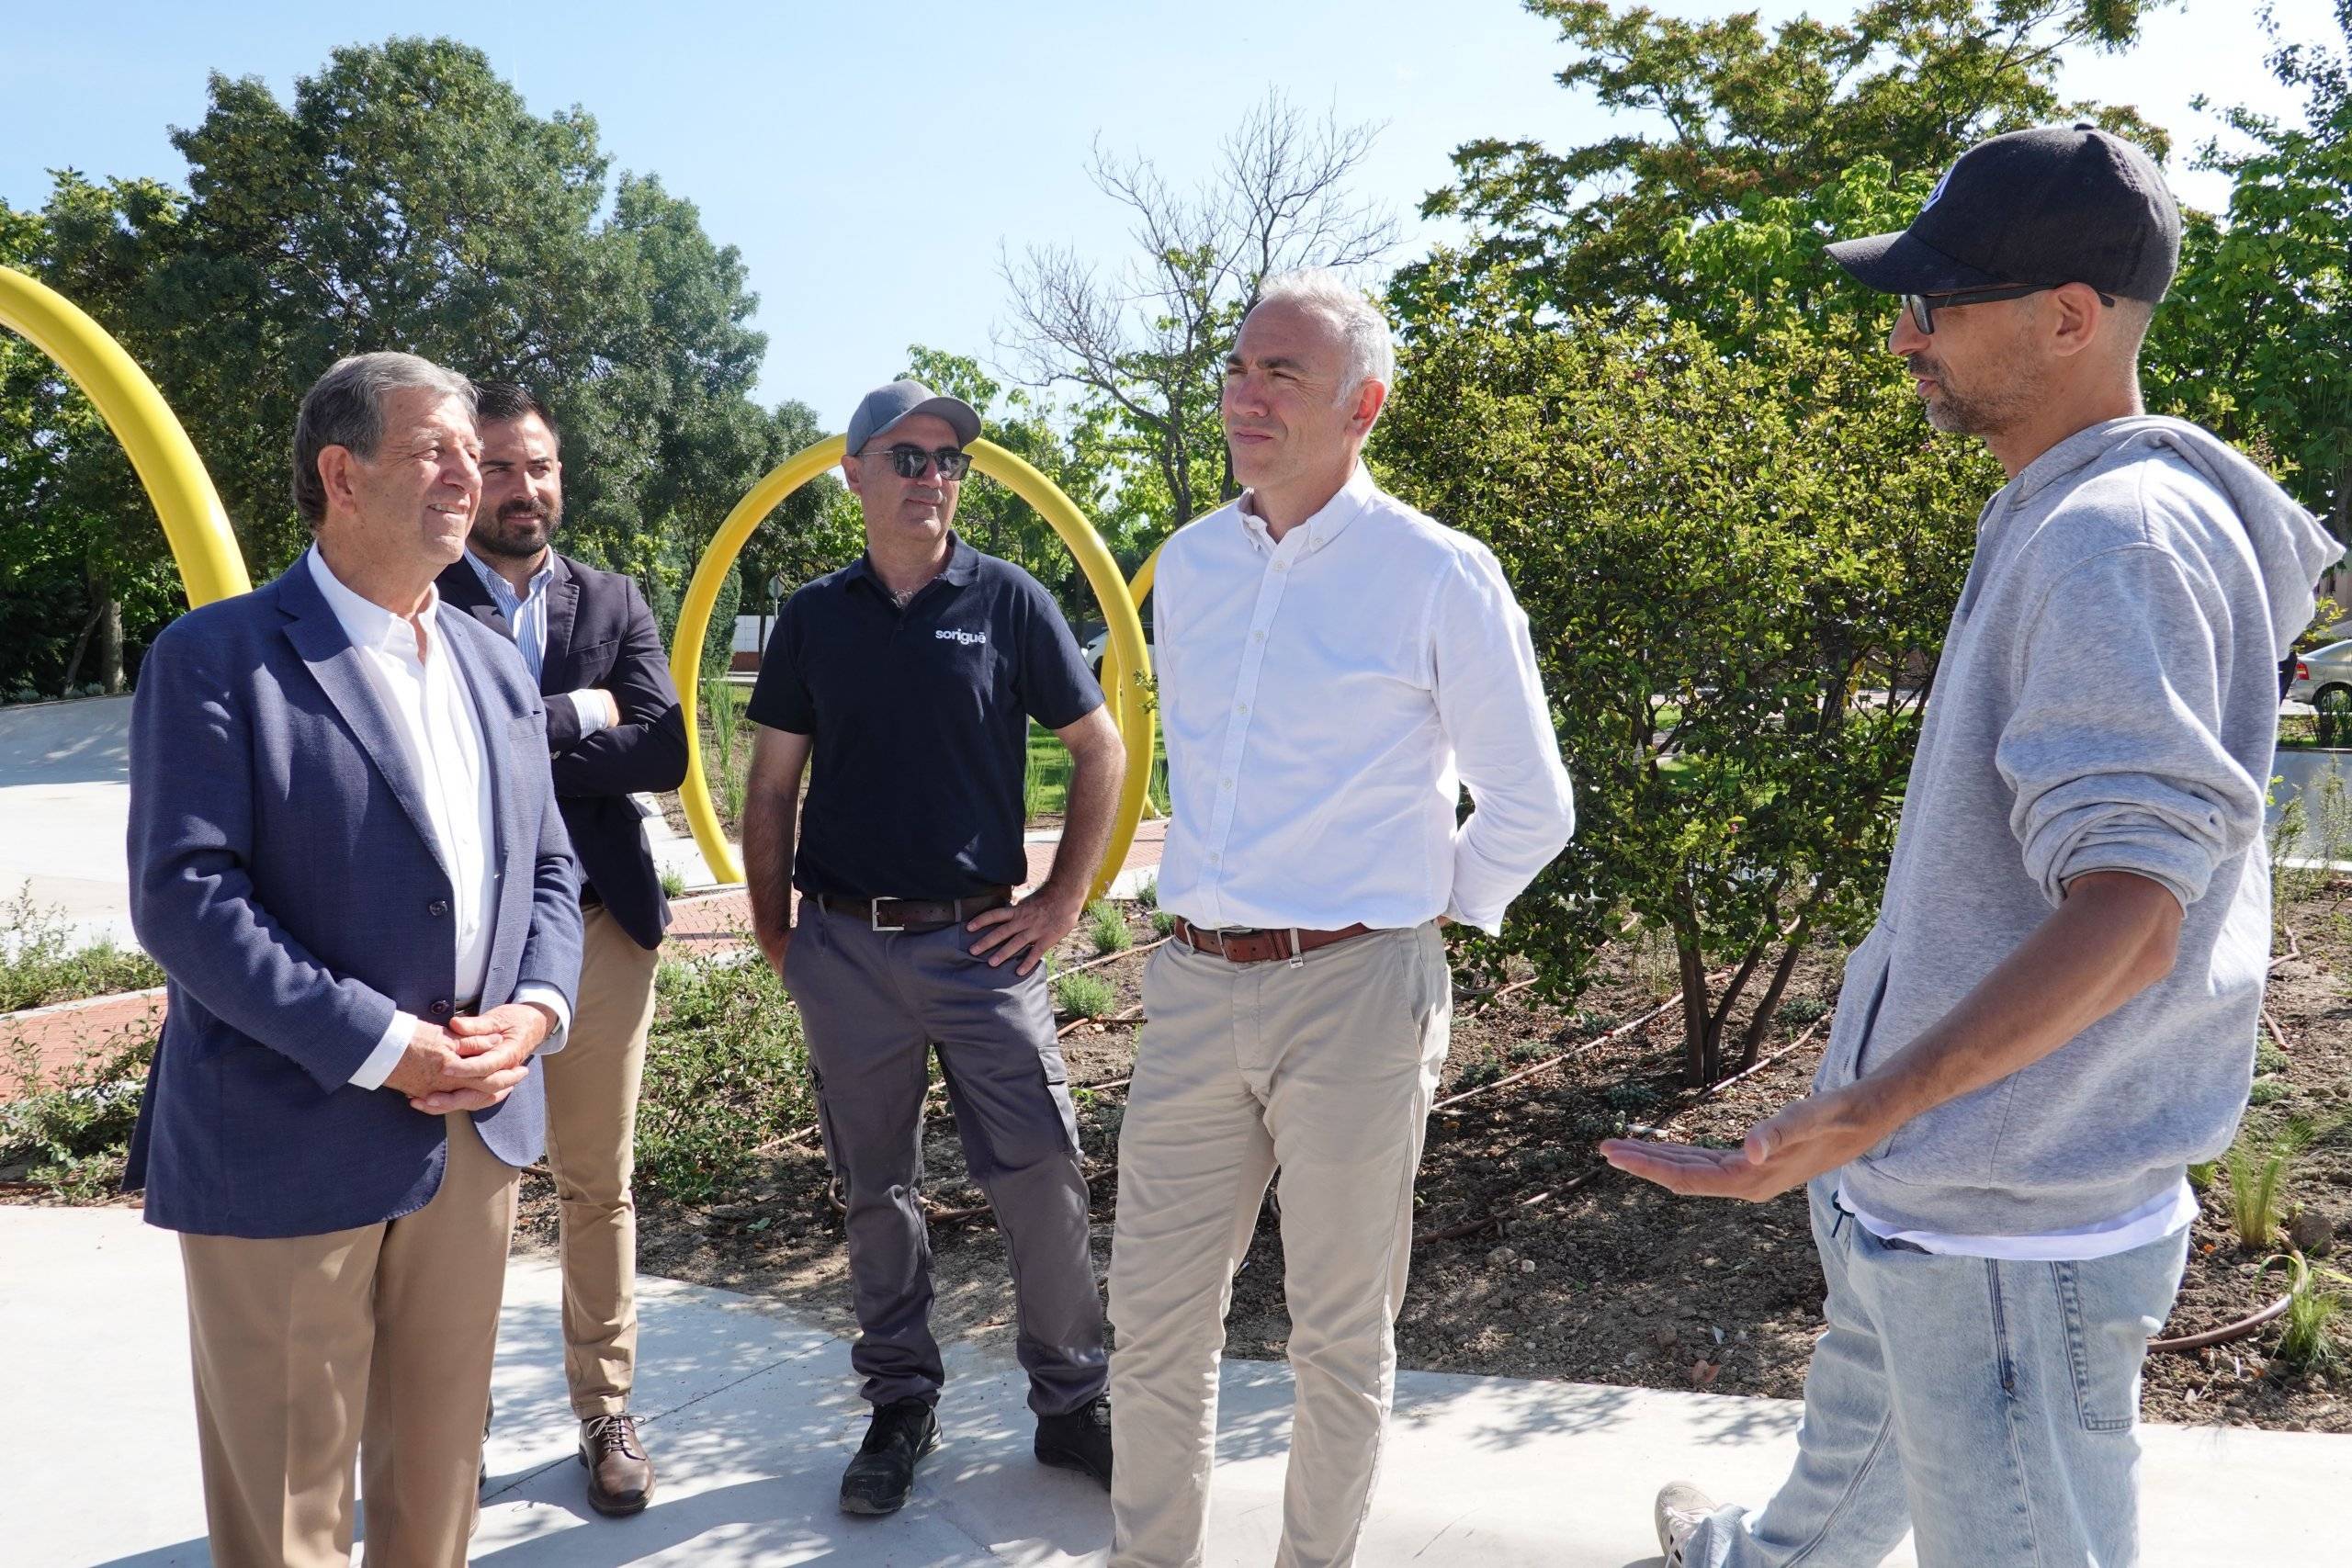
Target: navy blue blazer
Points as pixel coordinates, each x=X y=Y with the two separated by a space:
x=601 y=634
x=283 y=874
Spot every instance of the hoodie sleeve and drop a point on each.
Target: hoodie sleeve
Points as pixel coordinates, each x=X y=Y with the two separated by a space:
x=2114 y=751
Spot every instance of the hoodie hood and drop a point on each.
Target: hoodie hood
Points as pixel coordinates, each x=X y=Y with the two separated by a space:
x=2289 y=544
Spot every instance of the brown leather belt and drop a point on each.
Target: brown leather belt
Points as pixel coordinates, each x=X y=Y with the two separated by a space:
x=1238 y=945
x=914 y=914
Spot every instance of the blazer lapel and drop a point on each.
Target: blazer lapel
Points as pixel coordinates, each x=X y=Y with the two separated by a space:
x=462 y=588
x=319 y=637
x=563 y=611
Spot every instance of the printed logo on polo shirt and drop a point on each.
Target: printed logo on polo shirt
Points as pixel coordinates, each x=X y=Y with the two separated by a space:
x=948 y=634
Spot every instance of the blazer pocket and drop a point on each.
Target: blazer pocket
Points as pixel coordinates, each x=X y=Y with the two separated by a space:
x=592 y=661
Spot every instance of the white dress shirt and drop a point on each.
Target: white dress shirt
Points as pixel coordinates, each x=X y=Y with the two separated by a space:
x=439 y=733
x=526 y=613
x=1325 y=700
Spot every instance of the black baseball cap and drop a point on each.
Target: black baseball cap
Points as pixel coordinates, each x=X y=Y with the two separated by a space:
x=2059 y=204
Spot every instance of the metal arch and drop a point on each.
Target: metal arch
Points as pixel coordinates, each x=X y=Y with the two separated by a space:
x=1130 y=705
x=203 y=545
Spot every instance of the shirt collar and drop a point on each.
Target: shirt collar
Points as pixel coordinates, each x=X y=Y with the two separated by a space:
x=504 y=591
x=367 y=623
x=963 y=565
x=1329 y=520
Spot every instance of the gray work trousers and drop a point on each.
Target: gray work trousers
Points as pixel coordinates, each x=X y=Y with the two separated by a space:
x=873 y=1006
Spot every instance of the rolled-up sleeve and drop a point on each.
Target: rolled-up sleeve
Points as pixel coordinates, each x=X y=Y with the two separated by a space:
x=2114 y=751
x=1490 y=702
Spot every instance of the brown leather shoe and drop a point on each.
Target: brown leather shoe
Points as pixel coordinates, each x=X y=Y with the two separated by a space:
x=620 y=1478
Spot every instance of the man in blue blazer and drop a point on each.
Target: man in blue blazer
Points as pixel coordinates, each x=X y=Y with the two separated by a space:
x=346 y=853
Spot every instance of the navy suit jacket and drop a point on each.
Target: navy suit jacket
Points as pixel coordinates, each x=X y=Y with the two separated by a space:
x=601 y=635
x=283 y=874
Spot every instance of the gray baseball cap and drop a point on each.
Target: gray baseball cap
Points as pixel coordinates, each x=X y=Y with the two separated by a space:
x=885 y=406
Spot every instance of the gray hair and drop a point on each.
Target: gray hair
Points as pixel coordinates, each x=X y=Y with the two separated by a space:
x=1372 y=356
x=345 y=408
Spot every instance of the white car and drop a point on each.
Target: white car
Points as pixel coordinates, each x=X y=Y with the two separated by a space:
x=1095 y=645
x=2323 y=673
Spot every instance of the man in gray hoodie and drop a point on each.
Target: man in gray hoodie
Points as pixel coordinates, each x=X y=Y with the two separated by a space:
x=2056 y=1011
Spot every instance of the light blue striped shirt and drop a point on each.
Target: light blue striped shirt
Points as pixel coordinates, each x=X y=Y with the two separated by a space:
x=525 y=613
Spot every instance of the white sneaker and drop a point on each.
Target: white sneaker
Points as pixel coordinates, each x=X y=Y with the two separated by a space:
x=1680 y=1508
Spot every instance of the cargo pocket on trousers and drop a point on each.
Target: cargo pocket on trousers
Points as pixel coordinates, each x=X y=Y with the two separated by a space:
x=2105 y=1371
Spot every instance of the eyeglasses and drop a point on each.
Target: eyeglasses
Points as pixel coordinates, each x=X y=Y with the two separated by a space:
x=909 y=462
x=1923 y=307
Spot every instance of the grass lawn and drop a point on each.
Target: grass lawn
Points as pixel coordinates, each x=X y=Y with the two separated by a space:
x=1048 y=788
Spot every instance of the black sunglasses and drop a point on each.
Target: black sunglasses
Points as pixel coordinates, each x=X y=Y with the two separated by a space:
x=1923 y=307
x=909 y=462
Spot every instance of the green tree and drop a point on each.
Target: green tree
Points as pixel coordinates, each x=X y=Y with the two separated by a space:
x=2253 y=339
x=1146 y=345
x=1729 y=111
x=84 y=571
x=407 y=198
x=1080 y=452
x=1738 y=570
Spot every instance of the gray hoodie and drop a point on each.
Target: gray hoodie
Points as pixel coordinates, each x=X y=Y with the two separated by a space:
x=2108 y=701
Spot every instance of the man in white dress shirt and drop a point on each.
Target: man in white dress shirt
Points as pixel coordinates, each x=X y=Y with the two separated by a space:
x=1333 y=668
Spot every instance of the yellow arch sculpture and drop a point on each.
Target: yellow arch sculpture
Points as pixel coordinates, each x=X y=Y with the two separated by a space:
x=1131 y=682
x=212 y=567
x=203 y=545
x=1129 y=706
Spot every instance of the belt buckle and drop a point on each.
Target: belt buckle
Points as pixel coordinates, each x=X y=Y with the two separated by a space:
x=874 y=916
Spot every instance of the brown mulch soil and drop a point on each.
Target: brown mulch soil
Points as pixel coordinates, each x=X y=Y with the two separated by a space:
x=1590 y=1275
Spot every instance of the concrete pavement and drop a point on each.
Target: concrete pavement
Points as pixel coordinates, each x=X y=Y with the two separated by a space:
x=65 y=804
x=751 y=1414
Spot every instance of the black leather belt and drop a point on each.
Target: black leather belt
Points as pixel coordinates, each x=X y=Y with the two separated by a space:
x=914 y=914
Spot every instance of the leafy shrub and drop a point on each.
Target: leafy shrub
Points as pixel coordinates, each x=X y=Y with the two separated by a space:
x=1083 y=995
x=1149 y=894
x=42 y=963
x=1163 y=923
x=726 y=1069
x=2311 y=1340
x=2257 y=1182
x=1734 y=639
x=2333 y=726
x=72 y=1132
x=1107 y=929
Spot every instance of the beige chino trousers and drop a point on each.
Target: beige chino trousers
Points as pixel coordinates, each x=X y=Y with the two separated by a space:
x=1325 y=1068
x=591 y=1088
x=374 y=1343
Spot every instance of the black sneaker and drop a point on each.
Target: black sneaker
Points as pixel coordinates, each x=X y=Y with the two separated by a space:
x=1080 y=1440
x=879 y=1478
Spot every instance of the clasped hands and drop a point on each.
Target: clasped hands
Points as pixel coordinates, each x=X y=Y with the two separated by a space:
x=474 y=1063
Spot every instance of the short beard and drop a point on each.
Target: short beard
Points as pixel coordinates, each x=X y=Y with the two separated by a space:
x=1981 y=414
x=492 y=537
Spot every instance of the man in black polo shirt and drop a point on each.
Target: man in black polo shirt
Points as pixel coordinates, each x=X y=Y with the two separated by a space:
x=910 y=677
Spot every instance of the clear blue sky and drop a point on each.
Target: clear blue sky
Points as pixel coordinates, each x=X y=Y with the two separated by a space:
x=793 y=125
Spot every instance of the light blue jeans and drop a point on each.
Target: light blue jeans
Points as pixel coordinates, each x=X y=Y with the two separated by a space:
x=1987 y=1405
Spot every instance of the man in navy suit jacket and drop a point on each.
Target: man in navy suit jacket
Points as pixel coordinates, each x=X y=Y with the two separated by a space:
x=346 y=853
x=614 y=727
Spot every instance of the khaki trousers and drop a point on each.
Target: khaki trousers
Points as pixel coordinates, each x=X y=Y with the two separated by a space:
x=592 y=1086
x=1325 y=1068
x=374 y=1343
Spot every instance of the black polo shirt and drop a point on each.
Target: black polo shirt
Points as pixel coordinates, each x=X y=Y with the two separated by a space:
x=922 y=723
